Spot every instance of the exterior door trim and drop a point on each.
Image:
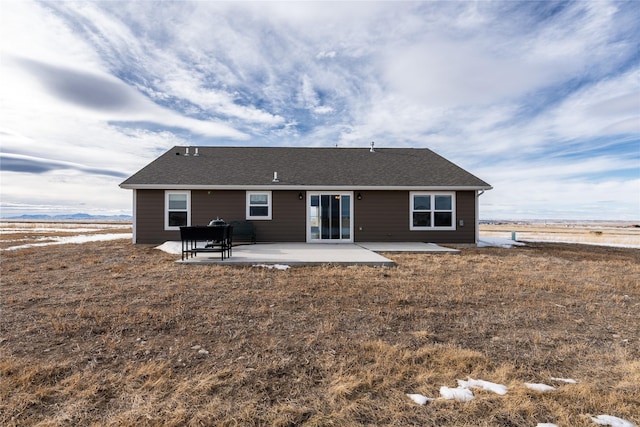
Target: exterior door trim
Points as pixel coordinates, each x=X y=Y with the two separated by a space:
x=308 y=216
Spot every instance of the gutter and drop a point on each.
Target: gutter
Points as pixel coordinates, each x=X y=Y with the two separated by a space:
x=301 y=187
x=478 y=194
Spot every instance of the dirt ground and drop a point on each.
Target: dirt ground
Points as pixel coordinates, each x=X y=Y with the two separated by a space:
x=107 y=333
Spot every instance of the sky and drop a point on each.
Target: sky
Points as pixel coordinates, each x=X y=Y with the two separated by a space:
x=541 y=99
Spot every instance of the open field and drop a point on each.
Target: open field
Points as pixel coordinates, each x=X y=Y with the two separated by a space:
x=620 y=233
x=21 y=234
x=105 y=333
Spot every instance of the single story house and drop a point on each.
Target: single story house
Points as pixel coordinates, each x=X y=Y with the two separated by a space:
x=308 y=194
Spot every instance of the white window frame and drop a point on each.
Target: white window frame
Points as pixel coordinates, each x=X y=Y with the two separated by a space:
x=167 y=194
x=432 y=210
x=269 y=203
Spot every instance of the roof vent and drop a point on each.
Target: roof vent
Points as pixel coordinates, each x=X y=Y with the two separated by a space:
x=196 y=153
x=275 y=177
x=371 y=150
x=186 y=151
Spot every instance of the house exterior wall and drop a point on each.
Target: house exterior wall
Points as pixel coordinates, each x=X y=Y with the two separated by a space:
x=150 y=218
x=288 y=213
x=383 y=216
x=287 y=224
x=378 y=216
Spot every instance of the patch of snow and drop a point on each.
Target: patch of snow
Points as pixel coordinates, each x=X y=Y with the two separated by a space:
x=565 y=380
x=174 y=248
x=419 y=399
x=459 y=394
x=546 y=425
x=498 y=242
x=610 y=420
x=276 y=266
x=83 y=238
x=542 y=388
x=486 y=385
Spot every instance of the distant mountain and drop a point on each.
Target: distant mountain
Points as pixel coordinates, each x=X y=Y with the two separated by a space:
x=71 y=217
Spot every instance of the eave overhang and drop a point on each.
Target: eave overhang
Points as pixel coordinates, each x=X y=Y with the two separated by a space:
x=302 y=187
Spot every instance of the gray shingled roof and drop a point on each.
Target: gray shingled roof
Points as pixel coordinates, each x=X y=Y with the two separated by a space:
x=302 y=167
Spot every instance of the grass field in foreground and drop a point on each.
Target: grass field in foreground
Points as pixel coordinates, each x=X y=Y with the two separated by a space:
x=105 y=333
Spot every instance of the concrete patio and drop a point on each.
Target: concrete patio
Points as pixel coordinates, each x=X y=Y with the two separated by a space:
x=318 y=253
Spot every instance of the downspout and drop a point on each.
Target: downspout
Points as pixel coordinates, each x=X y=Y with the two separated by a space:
x=135 y=219
x=478 y=194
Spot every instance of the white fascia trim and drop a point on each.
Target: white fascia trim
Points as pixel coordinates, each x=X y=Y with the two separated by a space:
x=477 y=203
x=134 y=234
x=299 y=187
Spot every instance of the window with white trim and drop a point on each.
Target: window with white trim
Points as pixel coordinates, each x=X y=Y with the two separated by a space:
x=258 y=204
x=432 y=211
x=177 y=212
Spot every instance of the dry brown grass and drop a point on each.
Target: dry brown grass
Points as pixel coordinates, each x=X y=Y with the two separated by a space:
x=106 y=333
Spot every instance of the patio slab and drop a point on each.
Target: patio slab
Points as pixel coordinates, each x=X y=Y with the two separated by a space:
x=316 y=254
x=411 y=247
x=296 y=254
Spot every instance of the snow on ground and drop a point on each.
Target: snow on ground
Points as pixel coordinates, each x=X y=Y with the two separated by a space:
x=174 y=248
x=564 y=380
x=82 y=238
x=419 y=399
x=276 y=266
x=542 y=388
x=610 y=420
x=486 y=385
x=499 y=242
x=459 y=394
x=463 y=394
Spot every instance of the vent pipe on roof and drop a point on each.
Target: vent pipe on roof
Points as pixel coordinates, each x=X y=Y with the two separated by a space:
x=186 y=151
x=275 y=177
x=196 y=153
x=371 y=150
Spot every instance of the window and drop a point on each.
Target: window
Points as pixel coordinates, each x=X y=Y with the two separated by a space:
x=432 y=211
x=177 y=209
x=259 y=205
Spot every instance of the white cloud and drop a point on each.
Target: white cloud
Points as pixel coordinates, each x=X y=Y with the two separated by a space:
x=522 y=198
x=494 y=86
x=449 y=74
x=323 y=54
x=324 y=109
x=63 y=192
x=609 y=107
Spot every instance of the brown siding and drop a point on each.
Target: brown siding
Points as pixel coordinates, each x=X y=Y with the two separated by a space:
x=150 y=218
x=287 y=223
x=379 y=216
x=208 y=205
x=384 y=216
x=288 y=219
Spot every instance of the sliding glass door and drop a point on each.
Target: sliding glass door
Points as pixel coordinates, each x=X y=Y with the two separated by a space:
x=330 y=217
